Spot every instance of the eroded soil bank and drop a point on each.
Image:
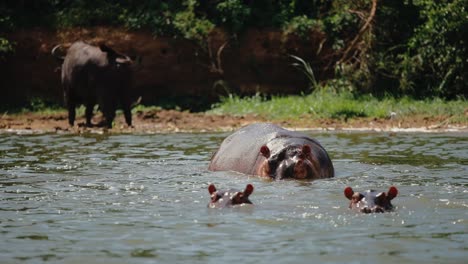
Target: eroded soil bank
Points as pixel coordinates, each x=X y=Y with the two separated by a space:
x=193 y=74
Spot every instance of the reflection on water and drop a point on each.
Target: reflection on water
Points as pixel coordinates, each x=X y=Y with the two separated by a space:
x=142 y=198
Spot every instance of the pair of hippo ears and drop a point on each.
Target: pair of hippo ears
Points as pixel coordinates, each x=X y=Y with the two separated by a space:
x=306 y=150
x=392 y=193
x=247 y=191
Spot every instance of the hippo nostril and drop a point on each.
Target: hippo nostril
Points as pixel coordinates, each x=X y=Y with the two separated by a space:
x=286 y=171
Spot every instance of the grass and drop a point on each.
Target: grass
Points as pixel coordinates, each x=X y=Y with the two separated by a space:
x=343 y=105
x=36 y=105
x=41 y=107
x=321 y=104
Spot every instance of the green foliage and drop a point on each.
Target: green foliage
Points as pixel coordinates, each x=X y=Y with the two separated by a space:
x=189 y=25
x=156 y=15
x=423 y=52
x=307 y=70
x=302 y=26
x=435 y=63
x=325 y=103
x=40 y=105
x=233 y=15
x=88 y=13
x=6 y=24
x=340 y=24
x=35 y=104
x=5 y=47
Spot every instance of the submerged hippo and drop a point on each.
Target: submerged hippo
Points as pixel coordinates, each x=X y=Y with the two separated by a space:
x=228 y=198
x=271 y=151
x=371 y=201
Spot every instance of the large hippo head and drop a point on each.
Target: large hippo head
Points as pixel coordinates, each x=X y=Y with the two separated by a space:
x=229 y=198
x=293 y=162
x=371 y=201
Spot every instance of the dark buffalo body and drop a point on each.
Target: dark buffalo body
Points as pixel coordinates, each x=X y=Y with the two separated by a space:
x=97 y=75
x=268 y=150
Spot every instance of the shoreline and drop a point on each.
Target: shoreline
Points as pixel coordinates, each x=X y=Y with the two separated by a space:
x=172 y=121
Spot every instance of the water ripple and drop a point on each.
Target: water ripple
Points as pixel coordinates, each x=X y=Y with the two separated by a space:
x=143 y=198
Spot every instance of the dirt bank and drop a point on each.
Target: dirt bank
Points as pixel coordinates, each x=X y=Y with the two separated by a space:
x=170 y=121
x=193 y=74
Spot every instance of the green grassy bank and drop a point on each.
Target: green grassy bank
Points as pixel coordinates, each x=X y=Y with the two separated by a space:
x=342 y=106
x=321 y=104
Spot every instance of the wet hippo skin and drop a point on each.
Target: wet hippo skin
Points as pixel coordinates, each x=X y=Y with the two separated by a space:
x=229 y=198
x=268 y=150
x=371 y=201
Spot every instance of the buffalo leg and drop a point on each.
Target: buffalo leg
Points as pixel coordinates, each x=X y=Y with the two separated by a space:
x=127 y=114
x=109 y=114
x=110 y=118
x=71 y=113
x=89 y=114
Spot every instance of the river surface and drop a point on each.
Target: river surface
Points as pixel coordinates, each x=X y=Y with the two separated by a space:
x=143 y=199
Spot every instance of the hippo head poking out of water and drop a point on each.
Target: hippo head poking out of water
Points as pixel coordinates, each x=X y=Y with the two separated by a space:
x=229 y=198
x=268 y=150
x=293 y=162
x=371 y=201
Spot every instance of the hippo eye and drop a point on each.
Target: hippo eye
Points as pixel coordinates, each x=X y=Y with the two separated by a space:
x=357 y=197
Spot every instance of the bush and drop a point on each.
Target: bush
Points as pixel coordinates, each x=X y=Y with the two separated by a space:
x=189 y=25
x=435 y=63
x=156 y=15
x=233 y=15
x=302 y=26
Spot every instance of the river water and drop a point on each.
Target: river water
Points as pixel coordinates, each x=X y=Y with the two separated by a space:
x=143 y=199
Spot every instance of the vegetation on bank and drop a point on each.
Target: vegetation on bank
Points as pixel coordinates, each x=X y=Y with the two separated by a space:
x=344 y=106
x=324 y=103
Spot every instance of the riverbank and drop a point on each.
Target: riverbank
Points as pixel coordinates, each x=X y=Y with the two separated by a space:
x=172 y=121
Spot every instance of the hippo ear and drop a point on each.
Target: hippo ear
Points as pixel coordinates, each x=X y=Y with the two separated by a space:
x=265 y=151
x=248 y=190
x=306 y=150
x=211 y=188
x=348 y=192
x=392 y=192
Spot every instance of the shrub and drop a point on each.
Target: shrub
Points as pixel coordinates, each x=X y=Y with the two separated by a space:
x=302 y=26
x=233 y=15
x=435 y=63
x=189 y=25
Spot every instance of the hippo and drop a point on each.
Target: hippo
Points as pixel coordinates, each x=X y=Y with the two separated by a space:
x=371 y=201
x=267 y=150
x=229 y=198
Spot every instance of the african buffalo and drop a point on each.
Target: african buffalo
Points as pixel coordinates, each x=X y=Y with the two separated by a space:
x=96 y=75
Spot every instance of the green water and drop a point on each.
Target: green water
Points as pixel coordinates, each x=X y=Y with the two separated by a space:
x=142 y=199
